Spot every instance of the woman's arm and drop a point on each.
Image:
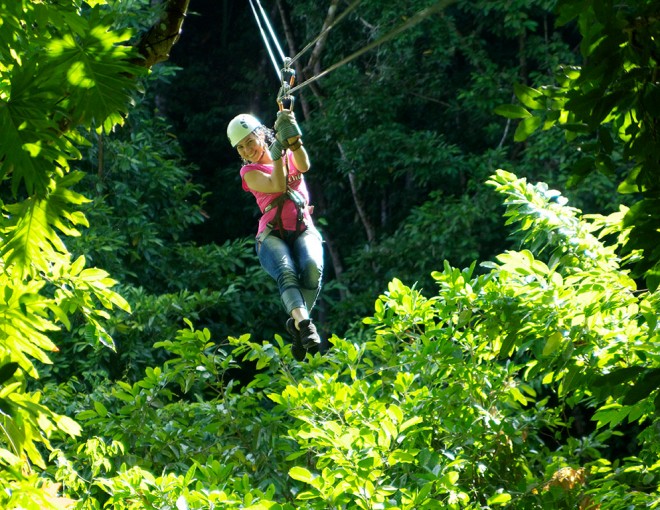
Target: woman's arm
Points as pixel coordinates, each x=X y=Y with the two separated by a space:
x=300 y=156
x=262 y=182
x=287 y=127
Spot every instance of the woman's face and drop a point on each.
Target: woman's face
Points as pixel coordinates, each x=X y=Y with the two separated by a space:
x=251 y=148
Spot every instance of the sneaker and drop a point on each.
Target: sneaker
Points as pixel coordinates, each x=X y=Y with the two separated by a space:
x=297 y=349
x=309 y=337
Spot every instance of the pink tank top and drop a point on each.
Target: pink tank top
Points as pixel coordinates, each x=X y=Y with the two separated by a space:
x=289 y=213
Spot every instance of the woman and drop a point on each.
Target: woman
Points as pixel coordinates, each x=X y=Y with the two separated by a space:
x=289 y=247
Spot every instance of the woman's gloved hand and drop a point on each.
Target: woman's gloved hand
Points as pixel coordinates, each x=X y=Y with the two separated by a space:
x=286 y=128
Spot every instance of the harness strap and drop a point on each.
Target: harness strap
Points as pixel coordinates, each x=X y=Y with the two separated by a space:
x=298 y=201
x=289 y=194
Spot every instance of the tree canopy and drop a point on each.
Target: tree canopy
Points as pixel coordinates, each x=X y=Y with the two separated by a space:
x=486 y=183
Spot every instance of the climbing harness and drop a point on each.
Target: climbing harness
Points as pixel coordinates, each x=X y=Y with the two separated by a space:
x=297 y=199
x=278 y=202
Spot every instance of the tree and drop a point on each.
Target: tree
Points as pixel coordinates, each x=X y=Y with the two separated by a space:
x=414 y=120
x=66 y=70
x=607 y=107
x=458 y=400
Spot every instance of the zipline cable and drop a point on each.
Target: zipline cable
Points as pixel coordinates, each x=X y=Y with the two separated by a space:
x=412 y=21
x=326 y=30
x=287 y=62
x=263 y=36
x=270 y=29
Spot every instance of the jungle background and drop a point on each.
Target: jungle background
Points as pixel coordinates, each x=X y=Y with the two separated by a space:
x=486 y=183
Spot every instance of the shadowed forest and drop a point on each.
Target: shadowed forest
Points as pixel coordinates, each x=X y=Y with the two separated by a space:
x=485 y=177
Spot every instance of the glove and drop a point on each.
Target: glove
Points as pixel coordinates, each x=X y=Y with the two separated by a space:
x=275 y=150
x=286 y=127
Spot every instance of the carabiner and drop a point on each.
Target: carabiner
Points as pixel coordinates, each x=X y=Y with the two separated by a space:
x=288 y=78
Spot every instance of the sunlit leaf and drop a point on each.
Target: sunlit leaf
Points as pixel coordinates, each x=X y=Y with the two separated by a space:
x=526 y=127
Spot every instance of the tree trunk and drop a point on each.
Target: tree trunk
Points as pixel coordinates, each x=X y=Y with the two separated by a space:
x=156 y=44
x=359 y=204
x=312 y=68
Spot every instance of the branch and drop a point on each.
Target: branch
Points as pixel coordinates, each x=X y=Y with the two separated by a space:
x=156 y=44
x=359 y=204
x=315 y=58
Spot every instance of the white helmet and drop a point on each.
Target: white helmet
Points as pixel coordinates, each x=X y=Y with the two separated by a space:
x=241 y=126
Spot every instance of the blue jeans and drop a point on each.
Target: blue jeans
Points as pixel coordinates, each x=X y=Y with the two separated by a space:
x=295 y=262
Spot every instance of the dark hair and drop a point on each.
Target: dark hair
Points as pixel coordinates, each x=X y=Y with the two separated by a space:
x=269 y=134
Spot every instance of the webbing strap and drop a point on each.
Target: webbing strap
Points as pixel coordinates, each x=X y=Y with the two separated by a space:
x=298 y=201
x=289 y=194
x=276 y=202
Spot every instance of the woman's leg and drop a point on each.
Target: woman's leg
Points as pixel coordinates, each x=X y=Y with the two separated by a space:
x=308 y=252
x=277 y=260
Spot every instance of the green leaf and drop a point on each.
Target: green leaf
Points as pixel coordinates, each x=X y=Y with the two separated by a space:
x=631 y=183
x=97 y=71
x=568 y=10
x=511 y=337
x=518 y=396
x=451 y=478
x=31 y=241
x=5 y=407
x=499 y=499
x=410 y=422
x=617 y=377
x=22 y=124
x=526 y=128
x=552 y=343
x=66 y=424
x=512 y=111
x=400 y=456
x=648 y=382
x=301 y=474
x=100 y=409
x=610 y=415
x=529 y=96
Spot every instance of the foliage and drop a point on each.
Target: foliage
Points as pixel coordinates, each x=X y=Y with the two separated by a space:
x=458 y=400
x=512 y=385
x=143 y=206
x=418 y=139
x=410 y=118
x=607 y=108
x=59 y=81
x=142 y=200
